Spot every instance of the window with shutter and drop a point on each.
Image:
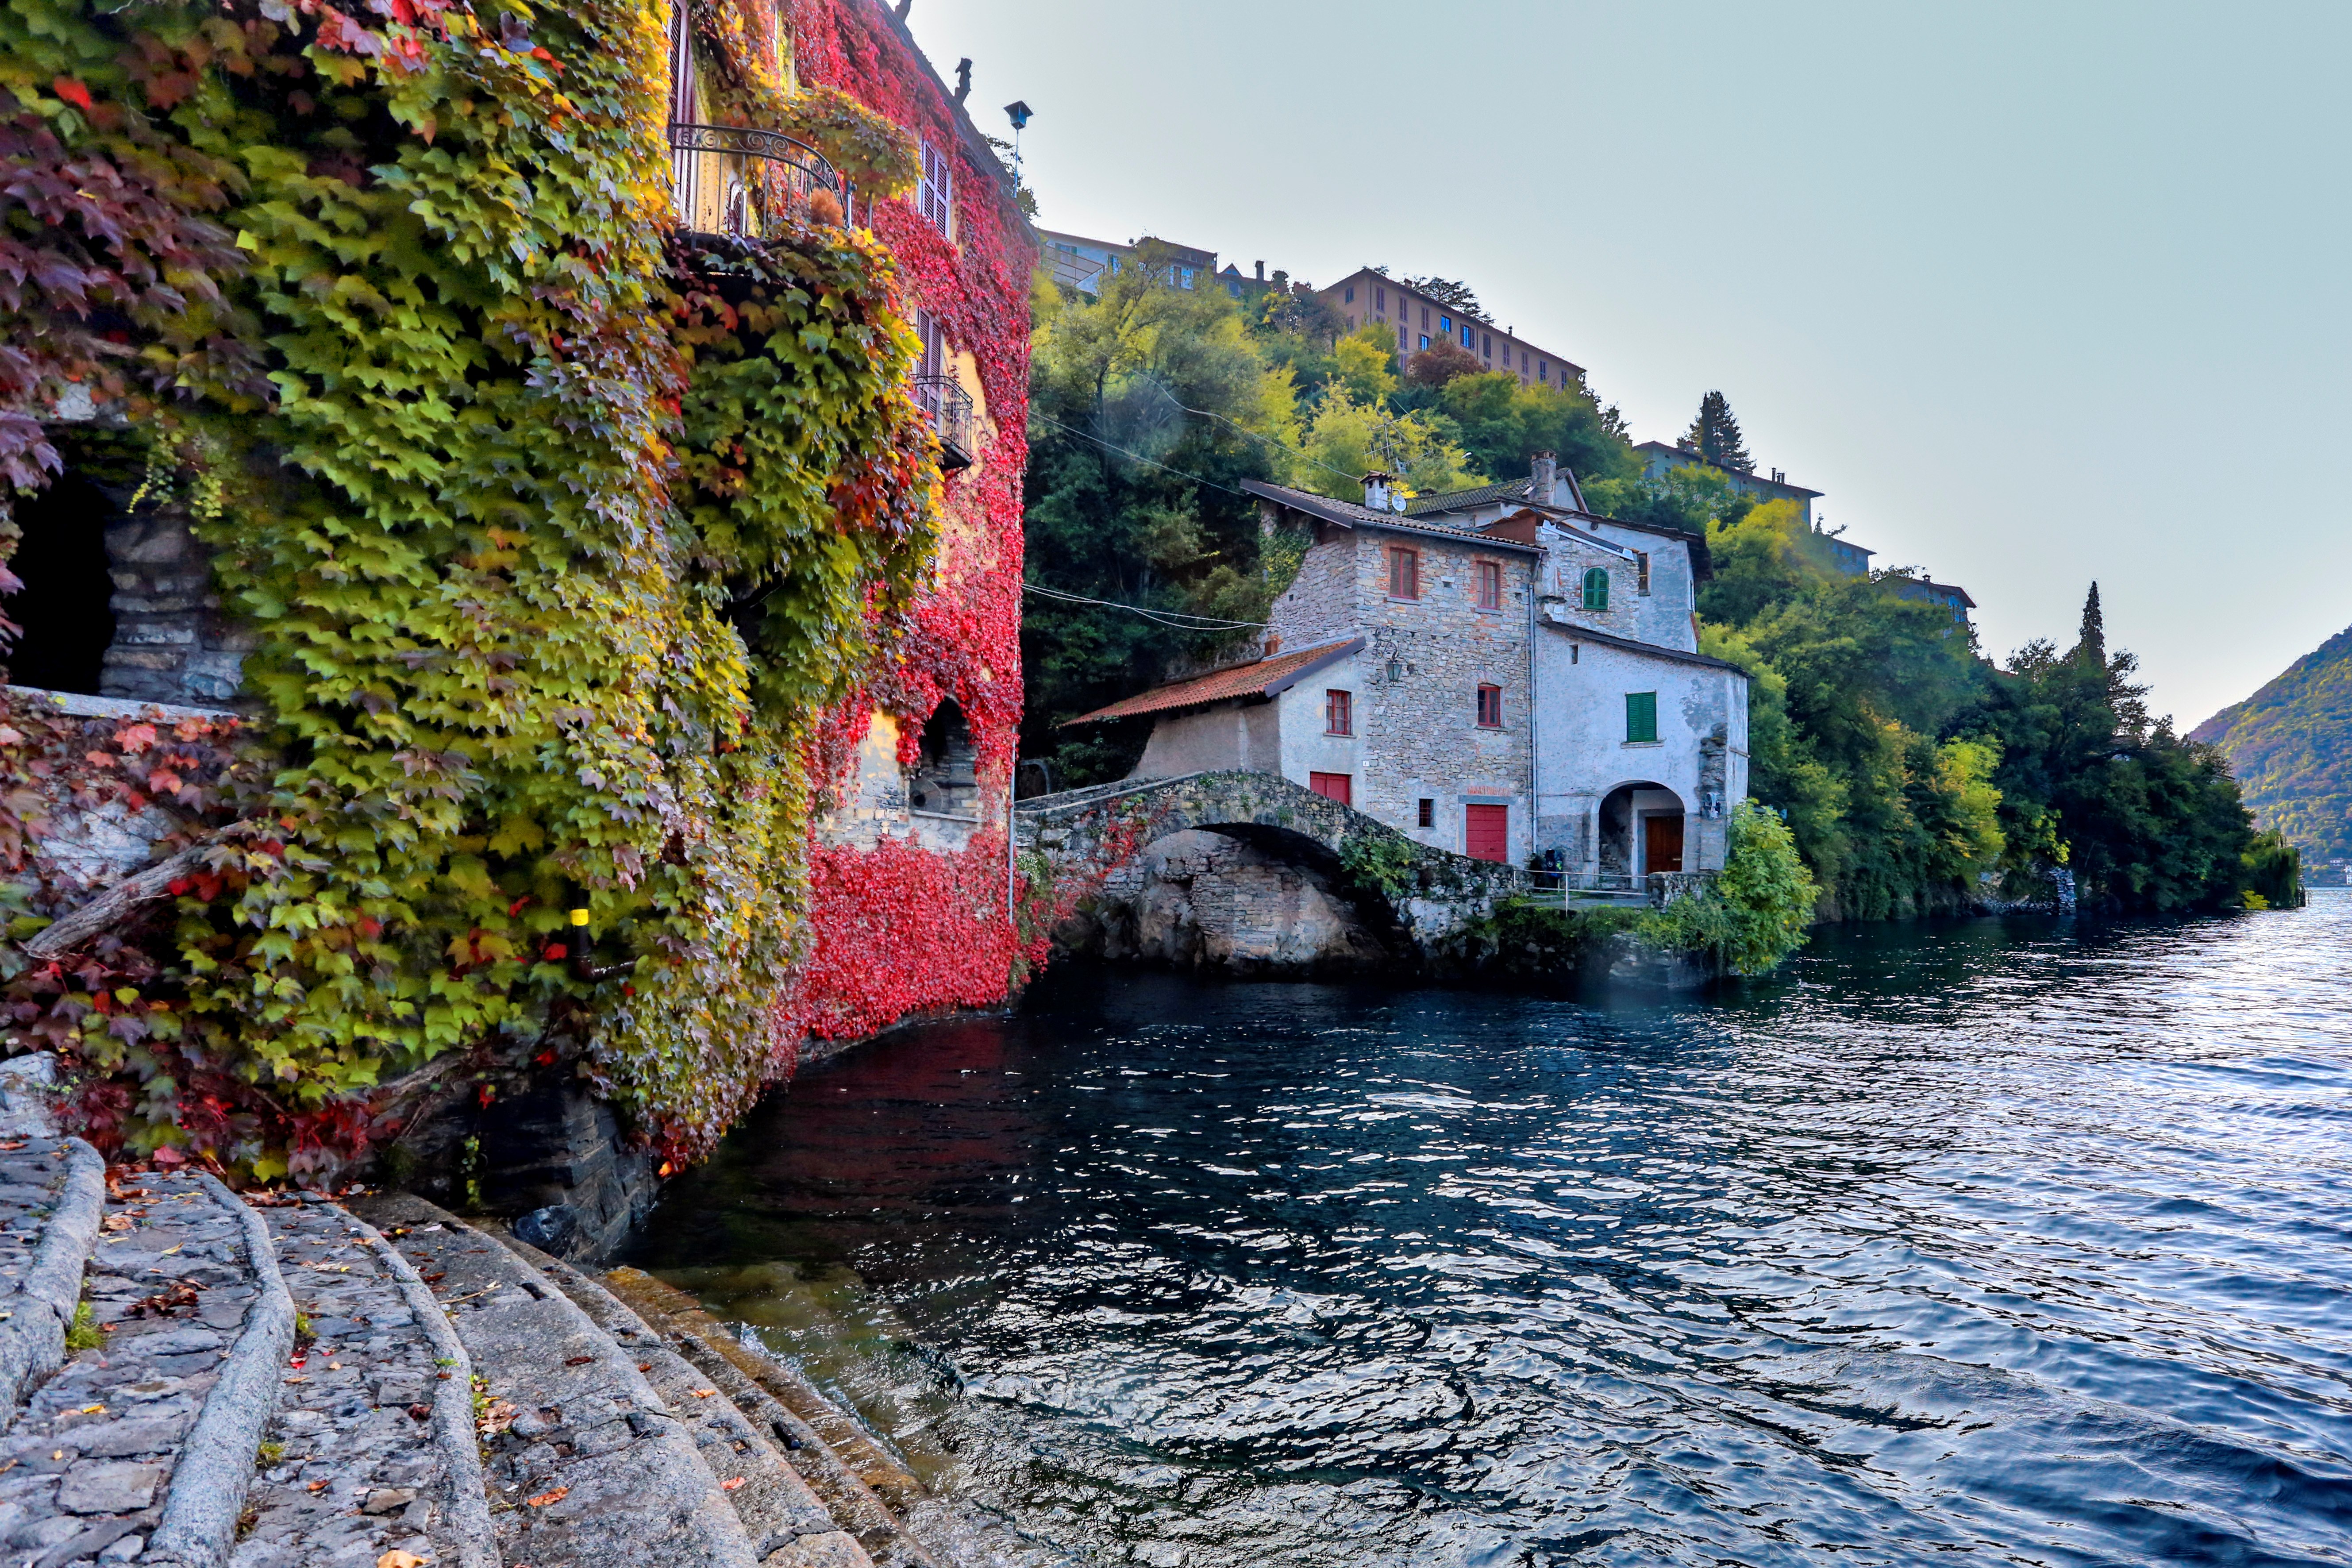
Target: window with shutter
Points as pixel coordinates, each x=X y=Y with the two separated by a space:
x=1490 y=706
x=1641 y=717
x=1404 y=574
x=935 y=192
x=1596 y=589
x=1641 y=571
x=1339 y=715
x=1490 y=585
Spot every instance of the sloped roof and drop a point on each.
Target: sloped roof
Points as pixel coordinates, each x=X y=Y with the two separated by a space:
x=1935 y=587
x=1261 y=677
x=1348 y=514
x=1467 y=500
x=1651 y=649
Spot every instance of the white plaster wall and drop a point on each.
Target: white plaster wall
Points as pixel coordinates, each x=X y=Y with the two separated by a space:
x=1663 y=616
x=1229 y=735
x=1583 y=753
x=1306 y=748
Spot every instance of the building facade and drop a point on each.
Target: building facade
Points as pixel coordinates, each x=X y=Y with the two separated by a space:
x=1497 y=673
x=1419 y=321
x=1660 y=458
x=1081 y=264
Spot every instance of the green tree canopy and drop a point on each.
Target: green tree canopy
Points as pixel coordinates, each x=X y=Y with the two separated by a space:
x=1715 y=436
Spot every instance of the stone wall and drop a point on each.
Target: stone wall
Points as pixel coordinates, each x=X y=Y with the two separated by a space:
x=173 y=643
x=1200 y=899
x=1416 y=694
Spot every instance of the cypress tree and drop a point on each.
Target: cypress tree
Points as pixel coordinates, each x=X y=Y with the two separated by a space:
x=1715 y=433
x=2093 y=642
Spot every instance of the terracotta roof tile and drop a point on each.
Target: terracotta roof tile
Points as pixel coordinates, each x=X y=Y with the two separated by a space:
x=1264 y=678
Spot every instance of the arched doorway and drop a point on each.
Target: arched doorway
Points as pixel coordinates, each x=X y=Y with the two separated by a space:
x=64 y=612
x=1640 y=831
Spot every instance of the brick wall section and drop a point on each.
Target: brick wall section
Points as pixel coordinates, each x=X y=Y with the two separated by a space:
x=1420 y=733
x=172 y=642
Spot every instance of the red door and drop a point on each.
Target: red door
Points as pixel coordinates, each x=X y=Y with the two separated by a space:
x=1333 y=786
x=1487 y=833
x=1662 y=843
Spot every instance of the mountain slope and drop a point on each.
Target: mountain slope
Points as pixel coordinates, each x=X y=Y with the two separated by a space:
x=2291 y=746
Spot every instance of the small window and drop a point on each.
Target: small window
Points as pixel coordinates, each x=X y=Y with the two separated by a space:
x=1469 y=337
x=1380 y=299
x=1339 y=718
x=1490 y=706
x=1641 y=571
x=1490 y=584
x=1428 y=816
x=935 y=192
x=1445 y=326
x=1425 y=323
x=1404 y=573
x=1641 y=716
x=1596 y=589
x=1351 y=296
x=1425 y=339
x=1543 y=370
x=1333 y=786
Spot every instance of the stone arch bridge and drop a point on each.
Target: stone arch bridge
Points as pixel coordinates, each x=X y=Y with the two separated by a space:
x=1420 y=894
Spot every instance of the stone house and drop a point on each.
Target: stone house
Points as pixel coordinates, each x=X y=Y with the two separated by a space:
x=1497 y=672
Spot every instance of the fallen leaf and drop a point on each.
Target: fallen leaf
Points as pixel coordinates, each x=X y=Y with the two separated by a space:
x=730 y=1486
x=399 y=1559
x=645 y=1366
x=498 y=1416
x=544 y=1499
x=93 y=1410
x=420 y=1412
x=705 y=1392
x=318 y=1486
x=116 y=1222
x=578 y=1359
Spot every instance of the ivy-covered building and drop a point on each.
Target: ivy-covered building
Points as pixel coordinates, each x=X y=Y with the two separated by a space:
x=563 y=470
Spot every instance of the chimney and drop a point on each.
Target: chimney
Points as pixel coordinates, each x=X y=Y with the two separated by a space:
x=963 y=79
x=1272 y=644
x=1547 y=478
x=1380 y=493
x=1261 y=271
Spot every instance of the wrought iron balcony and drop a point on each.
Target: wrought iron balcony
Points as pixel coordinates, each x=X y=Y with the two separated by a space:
x=950 y=407
x=736 y=180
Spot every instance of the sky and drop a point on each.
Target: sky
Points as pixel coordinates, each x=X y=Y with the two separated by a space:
x=2036 y=293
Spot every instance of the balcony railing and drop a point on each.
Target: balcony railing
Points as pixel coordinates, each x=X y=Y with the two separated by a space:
x=950 y=407
x=735 y=180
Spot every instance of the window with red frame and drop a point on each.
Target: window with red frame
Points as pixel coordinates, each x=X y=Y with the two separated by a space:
x=1333 y=786
x=1490 y=706
x=1490 y=584
x=1404 y=573
x=1339 y=713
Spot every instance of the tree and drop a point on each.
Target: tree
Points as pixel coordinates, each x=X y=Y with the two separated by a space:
x=2093 y=645
x=1715 y=436
x=1454 y=296
x=1502 y=423
x=1349 y=438
x=1440 y=363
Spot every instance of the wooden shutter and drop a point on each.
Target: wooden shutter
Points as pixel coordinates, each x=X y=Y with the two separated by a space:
x=1333 y=786
x=1641 y=716
x=1596 y=589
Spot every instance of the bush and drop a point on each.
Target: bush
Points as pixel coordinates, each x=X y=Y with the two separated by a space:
x=2273 y=873
x=1759 y=912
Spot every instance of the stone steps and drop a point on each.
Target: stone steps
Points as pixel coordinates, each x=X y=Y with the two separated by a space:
x=189 y=1379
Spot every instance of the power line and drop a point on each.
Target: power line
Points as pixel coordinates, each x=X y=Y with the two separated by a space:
x=1161 y=388
x=1137 y=455
x=1177 y=619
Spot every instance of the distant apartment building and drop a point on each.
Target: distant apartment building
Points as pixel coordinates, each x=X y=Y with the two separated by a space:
x=1419 y=321
x=1660 y=458
x=1081 y=264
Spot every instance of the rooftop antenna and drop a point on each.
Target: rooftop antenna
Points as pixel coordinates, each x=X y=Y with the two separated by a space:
x=1018 y=112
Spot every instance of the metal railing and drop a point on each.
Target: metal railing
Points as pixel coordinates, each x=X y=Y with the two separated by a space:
x=943 y=398
x=1583 y=882
x=737 y=180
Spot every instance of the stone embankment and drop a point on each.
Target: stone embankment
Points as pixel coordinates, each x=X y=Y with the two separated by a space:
x=195 y=1378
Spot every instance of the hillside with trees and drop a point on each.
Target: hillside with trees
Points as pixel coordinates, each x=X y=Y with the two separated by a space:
x=2291 y=746
x=1914 y=774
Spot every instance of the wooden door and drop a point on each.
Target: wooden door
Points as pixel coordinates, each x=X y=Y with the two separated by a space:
x=1487 y=832
x=1662 y=843
x=1334 y=786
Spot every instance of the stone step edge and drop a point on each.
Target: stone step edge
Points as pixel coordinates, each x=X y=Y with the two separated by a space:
x=838 y=1485
x=33 y=1339
x=617 y=1361
x=465 y=1511
x=207 y=1490
x=866 y=1466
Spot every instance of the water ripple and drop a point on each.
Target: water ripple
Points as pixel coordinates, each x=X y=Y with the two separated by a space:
x=2008 y=1240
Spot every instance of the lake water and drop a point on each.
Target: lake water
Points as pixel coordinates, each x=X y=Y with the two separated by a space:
x=1993 y=1241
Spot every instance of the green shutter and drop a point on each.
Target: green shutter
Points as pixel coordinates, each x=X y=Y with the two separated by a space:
x=1641 y=715
x=1596 y=589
